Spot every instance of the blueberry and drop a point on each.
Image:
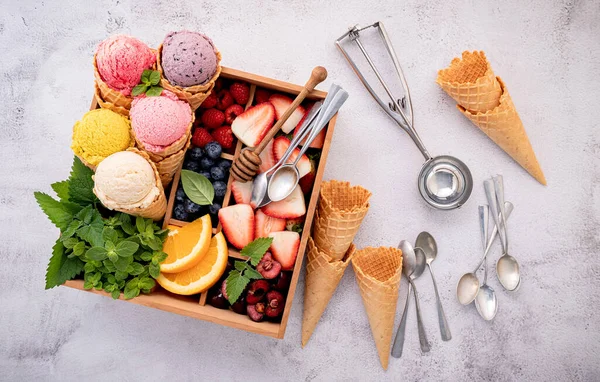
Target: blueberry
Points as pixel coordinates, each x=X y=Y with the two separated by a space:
x=191 y=165
x=224 y=164
x=214 y=208
x=205 y=173
x=196 y=153
x=179 y=213
x=213 y=150
x=217 y=173
x=206 y=163
x=220 y=188
x=191 y=207
x=180 y=195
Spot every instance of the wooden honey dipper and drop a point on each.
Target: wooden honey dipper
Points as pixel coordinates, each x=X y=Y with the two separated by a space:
x=246 y=165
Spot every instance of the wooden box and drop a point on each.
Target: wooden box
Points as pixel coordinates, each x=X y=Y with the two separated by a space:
x=197 y=308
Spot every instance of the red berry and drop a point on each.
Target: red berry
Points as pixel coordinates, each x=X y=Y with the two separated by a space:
x=257 y=291
x=256 y=312
x=201 y=137
x=268 y=267
x=275 y=304
x=223 y=136
x=212 y=118
x=225 y=99
x=240 y=92
x=210 y=101
x=261 y=95
x=232 y=112
x=218 y=85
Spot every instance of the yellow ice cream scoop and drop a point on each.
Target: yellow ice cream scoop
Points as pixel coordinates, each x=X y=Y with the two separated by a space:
x=100 y=133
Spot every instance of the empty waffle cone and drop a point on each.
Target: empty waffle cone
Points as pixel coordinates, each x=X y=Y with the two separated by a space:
x=323 y=275
x=503 y=125
x=168 y=166
x=378 y=272
x=339 y=215
x=471 y=82
x=110 y=96
x=194 y=95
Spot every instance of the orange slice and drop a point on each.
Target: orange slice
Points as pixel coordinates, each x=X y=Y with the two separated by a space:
x=187 y=245
x=201 y=276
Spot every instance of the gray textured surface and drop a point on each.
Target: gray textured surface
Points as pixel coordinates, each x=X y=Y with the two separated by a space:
x=547 y=52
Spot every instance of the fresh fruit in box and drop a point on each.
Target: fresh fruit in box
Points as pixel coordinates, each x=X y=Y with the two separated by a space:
x=238 y=224
x=186 y=246
x=240 y=92
x=251 y=126
x=280 y=145
x=281 y=104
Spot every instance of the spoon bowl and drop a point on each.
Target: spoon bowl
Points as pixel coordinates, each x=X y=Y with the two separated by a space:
x=467 y=288
x=486 y=302
x=420 y=264
x=427 y=243
x=508 y=272
x=283 y=182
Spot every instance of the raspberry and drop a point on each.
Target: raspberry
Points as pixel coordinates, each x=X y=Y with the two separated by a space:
x=201 y=137
x=223 y=136
x=231 y=112
x=261 y=96
x=210 y=101
x=212 y=118
x=225 y=100
x=240 y=93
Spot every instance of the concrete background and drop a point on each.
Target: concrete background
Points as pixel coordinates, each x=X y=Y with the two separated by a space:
x=547 y=52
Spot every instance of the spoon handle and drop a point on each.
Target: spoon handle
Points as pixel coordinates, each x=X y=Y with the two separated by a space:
x=422 y=335
x=399 y=340
x=499 y=187
x=490 y=193
x=509 y=208
x=444 y=327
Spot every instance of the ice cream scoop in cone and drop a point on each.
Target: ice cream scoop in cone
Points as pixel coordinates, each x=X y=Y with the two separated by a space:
x=323 y=275
x=378 y=272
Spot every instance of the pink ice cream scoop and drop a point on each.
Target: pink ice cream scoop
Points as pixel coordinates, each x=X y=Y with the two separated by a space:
x=159 y=121
x=121 y=60
x=188 y=58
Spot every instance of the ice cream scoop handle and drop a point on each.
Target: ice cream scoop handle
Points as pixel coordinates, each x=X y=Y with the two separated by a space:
x=318 y=75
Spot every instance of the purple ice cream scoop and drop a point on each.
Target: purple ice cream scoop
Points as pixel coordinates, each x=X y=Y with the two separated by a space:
x=188 y=58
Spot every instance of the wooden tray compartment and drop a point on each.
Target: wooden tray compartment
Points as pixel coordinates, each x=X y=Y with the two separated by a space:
x=191 y=306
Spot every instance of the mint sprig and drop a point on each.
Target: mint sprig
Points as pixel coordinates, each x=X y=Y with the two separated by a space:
x=148 y=85
x=244 y=271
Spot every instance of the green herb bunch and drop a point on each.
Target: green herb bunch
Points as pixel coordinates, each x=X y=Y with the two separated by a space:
x=149 y=84
x=244 y=271
x=115 y=254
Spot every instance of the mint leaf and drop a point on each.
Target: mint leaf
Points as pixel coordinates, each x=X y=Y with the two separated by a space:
x=154 y=91
x=81 y=184
x=136 y=269
x=139 y=89
x=252 y=273
x=58 y=213
x=160 y=256
x=132 y=288
x=197 y=187
x=96 y=253
x=257 y=249
x=126 y=248
x=70 y=231
x=140 y=224
x=126 y=225
x=146 y=76
x=154 y=77
x=122 y=263
x=70 y=242
x=92 y=232
x=235 y=285
x=154 y=270
x=240 y=265
x=146 y=283
x=61 y=189
x=60 y=268
x=110 y=234
x=79 y=249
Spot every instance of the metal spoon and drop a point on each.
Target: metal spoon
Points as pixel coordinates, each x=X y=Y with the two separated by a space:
x=468 y=285
x=413 y=266
x=507 y=267
x=485 y=301
x=426 y=243
x=285 y=178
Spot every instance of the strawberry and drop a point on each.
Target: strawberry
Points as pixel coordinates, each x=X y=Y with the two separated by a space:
x=280 y=144
x=295 y=225
x=218 y=85
x=242 y=191
x=210 y=101
x=307 y=181
x=225 y=99
x=232 y=112
x=213 y=118
x=238 y=224
x=261 y=95
x=319 y=140
x=284 y=248
x=252 y=125
x=264 y=224
x=201 y=137
x=240 y=92
x=267 y=158
x=289 y=208
x=223 y=136
x=281 y=104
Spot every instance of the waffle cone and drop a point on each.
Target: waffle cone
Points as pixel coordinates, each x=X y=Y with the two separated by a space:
x=378 y=272
x=503 y=126
x=108 y=105
x=194 y=95
x=168 y=166
x=157 y=209
x=109 y=96
x=471 y=82
x=323 y=275
x=173 y=148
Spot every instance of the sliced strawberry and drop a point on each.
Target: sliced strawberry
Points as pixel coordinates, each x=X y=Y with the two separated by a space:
x=307 y=181
x=296 y=224
x=238 y=224
x=285 y=248
x=264 y=224
x=267 y=158
x=289 y=208
x=280 y=144
x=252 y=125
x=242 y=192
x=281 y=104
x=319 y=140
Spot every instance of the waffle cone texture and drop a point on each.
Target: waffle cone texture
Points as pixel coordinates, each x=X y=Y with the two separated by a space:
x=323 y=275
x=194 y=95
x=378 y=272
x=484 y=99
